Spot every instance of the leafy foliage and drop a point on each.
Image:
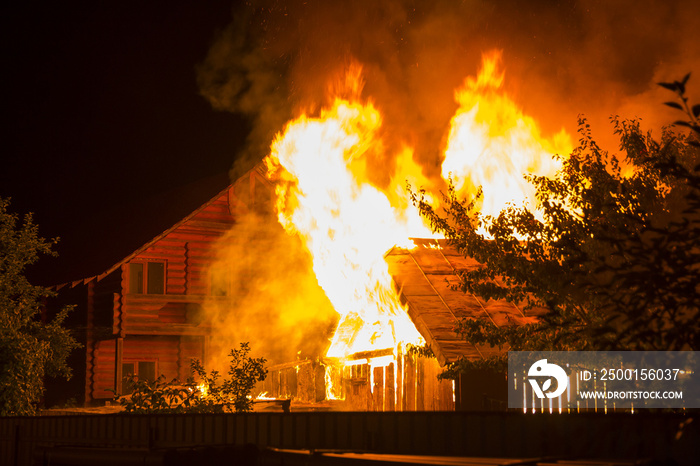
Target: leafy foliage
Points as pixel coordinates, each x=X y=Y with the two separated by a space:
x=158 y=396
x=29 y=348
x=423 y=351
x=610 y=265
x=209 y=395
x=659 y=269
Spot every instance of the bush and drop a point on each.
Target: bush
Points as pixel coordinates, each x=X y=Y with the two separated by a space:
x=208 y=395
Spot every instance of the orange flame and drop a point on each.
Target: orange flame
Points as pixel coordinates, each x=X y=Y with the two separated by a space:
x=492 y=144
x=324 y=195
x=346 y=223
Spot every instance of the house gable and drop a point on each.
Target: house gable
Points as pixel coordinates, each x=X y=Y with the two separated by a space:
x=143 y=313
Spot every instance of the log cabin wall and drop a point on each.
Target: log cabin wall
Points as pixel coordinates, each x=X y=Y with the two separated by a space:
x=144 y=314
x=158 y=330
x=103 y=317
x=137 y=323
x=170 y=356
x=162 y=328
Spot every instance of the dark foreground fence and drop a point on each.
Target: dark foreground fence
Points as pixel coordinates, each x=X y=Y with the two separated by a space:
x=120 y=438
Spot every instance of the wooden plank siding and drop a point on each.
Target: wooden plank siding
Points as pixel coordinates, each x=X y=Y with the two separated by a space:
x=191 y=347
x=165 y=351
x=158 y=327
x=101 y=378
x=119 y=326
x=408 y=383
x=187 y=250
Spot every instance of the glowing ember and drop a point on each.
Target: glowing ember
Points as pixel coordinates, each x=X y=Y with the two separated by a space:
x=263 y=397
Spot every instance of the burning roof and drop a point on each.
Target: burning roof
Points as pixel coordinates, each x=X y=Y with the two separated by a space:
x=425 y=277
x=357 y=229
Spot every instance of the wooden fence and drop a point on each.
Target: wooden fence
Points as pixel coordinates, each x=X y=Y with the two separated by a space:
x=631 y=436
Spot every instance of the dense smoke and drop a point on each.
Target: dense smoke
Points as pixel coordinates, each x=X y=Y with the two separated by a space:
x=269 y=296
x=279 y=59
x=561 y=58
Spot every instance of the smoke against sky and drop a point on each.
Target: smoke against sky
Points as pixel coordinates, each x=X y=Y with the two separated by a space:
x=561 y=59
x=105 y=109
x=277 y=60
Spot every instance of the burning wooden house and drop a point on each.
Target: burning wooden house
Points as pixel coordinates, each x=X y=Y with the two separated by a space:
x=336 y=192
x=406 y=379
x=144 y=315
x=327 y=182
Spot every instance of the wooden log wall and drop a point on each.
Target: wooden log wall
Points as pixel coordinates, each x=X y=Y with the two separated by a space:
x=186 y=251
x=172 y=355
x=190 y=347
x=167 y=328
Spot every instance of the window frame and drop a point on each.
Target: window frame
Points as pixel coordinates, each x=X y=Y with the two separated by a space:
x=125 y=390
x=144 y=280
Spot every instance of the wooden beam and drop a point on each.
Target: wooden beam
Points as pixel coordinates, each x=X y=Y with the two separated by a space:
x=409 y=374
x=118 y=359
x=371 y=354
x=389 y=388
x=378 y=389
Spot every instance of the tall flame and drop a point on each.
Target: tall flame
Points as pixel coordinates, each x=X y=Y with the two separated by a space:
x=492 y=144
x=346 y=223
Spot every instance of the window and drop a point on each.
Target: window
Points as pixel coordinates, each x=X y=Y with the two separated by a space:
x=135 y=278
x=148 y=276
x=144 y=370
x=155 y=283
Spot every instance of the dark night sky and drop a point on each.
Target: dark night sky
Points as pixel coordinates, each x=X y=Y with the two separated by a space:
x=103 y=112
x=102 y=108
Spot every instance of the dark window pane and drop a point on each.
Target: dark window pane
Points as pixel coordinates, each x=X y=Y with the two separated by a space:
x=156 y=278
x=147 y=371
x=127 y=368
x=136 y=278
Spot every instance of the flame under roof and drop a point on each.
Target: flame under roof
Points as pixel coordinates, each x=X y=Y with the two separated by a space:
x=424 y=277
